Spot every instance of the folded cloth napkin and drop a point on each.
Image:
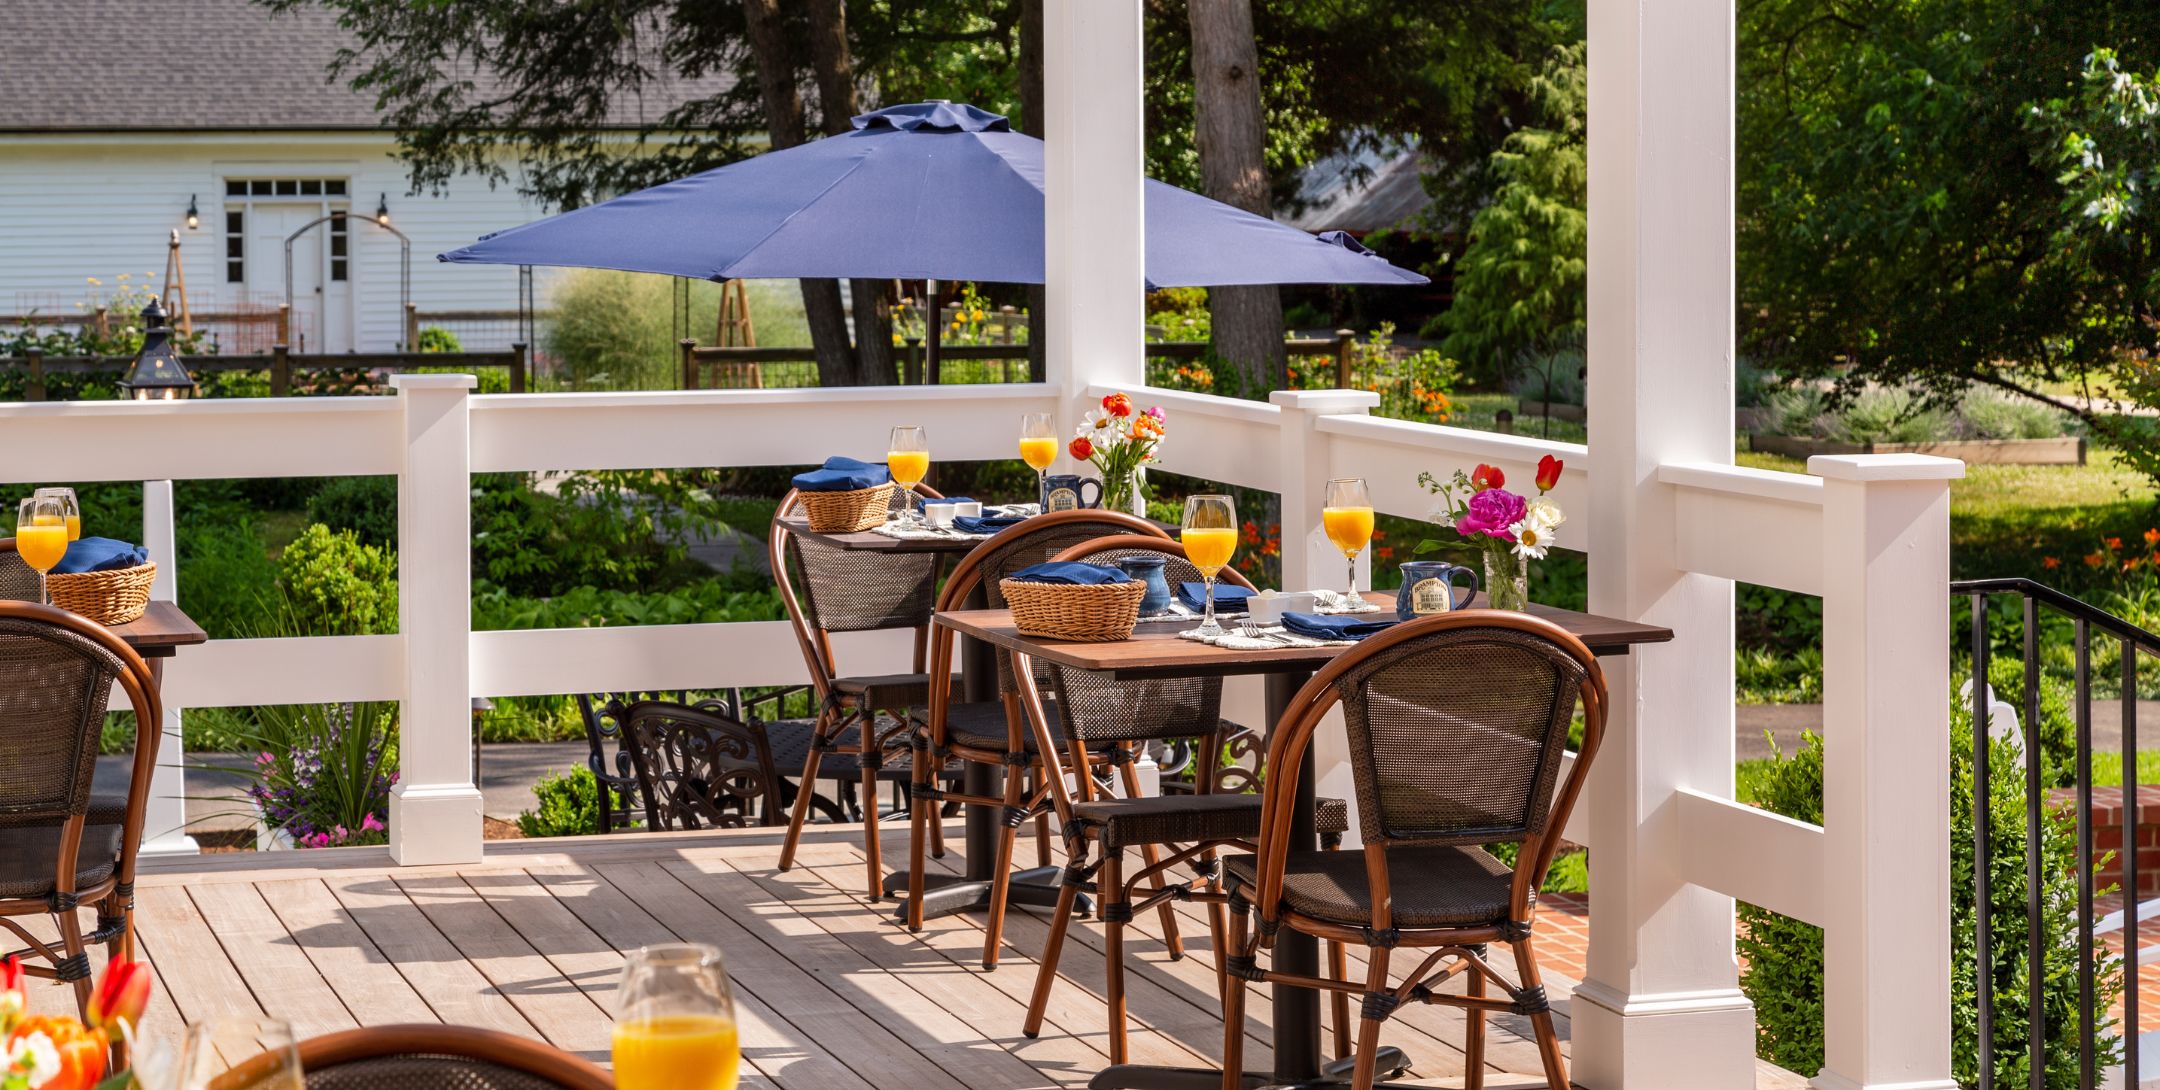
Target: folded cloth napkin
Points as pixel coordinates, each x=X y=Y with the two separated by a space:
x=1229 y=598
x=100 y=554
x=1070 y=573
x=843 y=475
x=985 y=524
x=1346 y=627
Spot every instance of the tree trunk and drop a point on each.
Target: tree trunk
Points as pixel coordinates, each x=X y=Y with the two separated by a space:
x=837 y=107
x=836 y=361
x=1031 y=123
x=1232 y=136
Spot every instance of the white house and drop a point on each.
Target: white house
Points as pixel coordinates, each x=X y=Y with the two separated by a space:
x=119 y=117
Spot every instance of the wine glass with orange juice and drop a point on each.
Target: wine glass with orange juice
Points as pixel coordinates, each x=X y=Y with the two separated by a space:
x=70 y=510
x=907 y=455
x=41 y=537
x=1210 y=537
x=1039 y=448
x=1347 y=515
x=675 y=1027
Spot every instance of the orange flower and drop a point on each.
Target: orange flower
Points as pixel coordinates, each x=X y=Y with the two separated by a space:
x=2152 y=537
x=2094 y=560
x=1081 y=449
x=2130 y=564
x=2113 y=543
x=1117 y=405
x=81 y=1050
x=1485 y=476
x=2051 y=563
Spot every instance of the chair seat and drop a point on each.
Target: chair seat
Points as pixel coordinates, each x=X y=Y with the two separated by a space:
x=790 y=743
x=1185 y=819
x=28 y=855
x=885 y=691
x=1430 y=887
x=982 y=725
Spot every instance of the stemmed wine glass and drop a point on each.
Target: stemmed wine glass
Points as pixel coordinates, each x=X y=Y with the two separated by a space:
x=907 y=455
x=230 y=1052
x=675 y=1028
x=41 y=537
x=70 y=510
x=1347 y=514
x=1038 y=448
x=1210 y=537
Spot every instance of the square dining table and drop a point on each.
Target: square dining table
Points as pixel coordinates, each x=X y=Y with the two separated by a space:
x=1155 y=650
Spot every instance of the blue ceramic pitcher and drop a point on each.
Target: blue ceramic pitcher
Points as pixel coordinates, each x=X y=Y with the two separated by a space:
x=1433 y=586
x=1149 y=570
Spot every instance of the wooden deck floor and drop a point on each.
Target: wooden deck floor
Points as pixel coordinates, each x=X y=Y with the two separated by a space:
x=831 y=994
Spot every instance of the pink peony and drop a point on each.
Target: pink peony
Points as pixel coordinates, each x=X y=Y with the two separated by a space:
x=1490 y=513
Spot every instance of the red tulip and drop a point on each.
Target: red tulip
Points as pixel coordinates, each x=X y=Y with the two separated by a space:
x=121 y=995
x=1485 y=476
x=1117 y=405
x=13 y=1001
x=1081 y=449
x=1548 y=473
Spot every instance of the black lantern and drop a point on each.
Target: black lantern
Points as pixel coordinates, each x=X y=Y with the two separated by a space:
x=157 y=374
x=382 y=210
x=194 y=217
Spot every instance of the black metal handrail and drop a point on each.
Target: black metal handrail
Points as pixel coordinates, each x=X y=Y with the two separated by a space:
x=2085 y=618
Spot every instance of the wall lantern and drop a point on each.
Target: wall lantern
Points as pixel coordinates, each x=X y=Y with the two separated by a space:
x=194 y=218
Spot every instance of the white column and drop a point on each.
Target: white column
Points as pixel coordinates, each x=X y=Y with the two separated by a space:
x=1309 y=559
x=1094 y=246
x=1886 y=781
x=1661 y=1008
x=435 y=809
x=165 y=819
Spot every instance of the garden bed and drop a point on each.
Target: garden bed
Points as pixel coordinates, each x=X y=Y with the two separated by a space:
x=2059 y=451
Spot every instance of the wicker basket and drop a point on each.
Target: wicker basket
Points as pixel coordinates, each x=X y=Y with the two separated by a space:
x=1099 y=613
x=107 y=597
x=847 y=512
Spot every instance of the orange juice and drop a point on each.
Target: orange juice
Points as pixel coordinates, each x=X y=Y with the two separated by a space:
x=42 y=546
x=1209 y=549
x=1038 y=453
x=1348 y=527
x=908 y=466
x=677 y=1052
x=74 y=525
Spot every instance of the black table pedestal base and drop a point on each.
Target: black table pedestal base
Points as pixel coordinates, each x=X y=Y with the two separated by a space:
x=1389 y=1063
x=945 y=894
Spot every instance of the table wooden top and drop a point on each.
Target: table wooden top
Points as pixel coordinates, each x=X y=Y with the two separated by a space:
x=865 y=541
x=1156 y=651
x=161 y=630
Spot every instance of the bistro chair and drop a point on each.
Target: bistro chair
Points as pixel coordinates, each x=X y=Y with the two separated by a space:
x=700 y=768
x=1457 y=725
x=426 y=1054
x=827 y=589
x=1098 y=712
x=18 y=580
x=997 y=733
x=603 y=716
x=61 y=850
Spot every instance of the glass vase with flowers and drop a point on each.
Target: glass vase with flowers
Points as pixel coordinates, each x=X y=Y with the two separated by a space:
x=1121 y=440
x=1508 y=529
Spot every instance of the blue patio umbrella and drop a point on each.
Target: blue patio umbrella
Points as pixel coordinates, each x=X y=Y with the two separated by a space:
x=930 y=191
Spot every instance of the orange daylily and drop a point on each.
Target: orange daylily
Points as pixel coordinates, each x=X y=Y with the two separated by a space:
x=81 y=1049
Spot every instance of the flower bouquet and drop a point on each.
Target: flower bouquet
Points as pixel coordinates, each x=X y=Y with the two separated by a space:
x=1120 y=442
x=60 y=1052
x=1508 y=529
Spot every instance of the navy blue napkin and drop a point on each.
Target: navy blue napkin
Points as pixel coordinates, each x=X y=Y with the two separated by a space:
x=843 y=475
x=100 y=554
x=1071 y=573
x=986 y=524
x=1343 y=627
x=1229 y=597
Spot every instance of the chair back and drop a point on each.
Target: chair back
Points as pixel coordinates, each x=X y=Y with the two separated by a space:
x=1457 y=724
x=699 y=768
x=18 y=580
x=828 y=589
x=466 y=1057
x=603 y=717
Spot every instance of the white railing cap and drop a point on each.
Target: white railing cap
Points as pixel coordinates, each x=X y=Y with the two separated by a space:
x=1325 y=401
x=434 y=382
x=1885 y=467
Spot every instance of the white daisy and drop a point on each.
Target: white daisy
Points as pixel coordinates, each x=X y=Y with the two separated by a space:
x=35 y=1058
x=1531 y=538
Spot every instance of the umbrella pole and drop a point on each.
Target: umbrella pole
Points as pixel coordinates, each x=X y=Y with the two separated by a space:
x=934 y=327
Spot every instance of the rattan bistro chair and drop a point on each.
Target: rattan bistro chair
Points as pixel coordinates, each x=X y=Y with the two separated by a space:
x=827 y=589
x=442 y=1058
x=1096 y=712
x=996 y=733
x=1457 y=725
x=18 y=580
x=61 y=851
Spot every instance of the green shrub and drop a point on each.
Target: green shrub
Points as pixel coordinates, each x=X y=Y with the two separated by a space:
x=1889 y=416
x=435 y=338
x=1999 y=414
x=367 y=506
x=228 y=583
x=1784 y=976
x=611 y=331
x=569 y=805
x=708 y=602
x=334 y=585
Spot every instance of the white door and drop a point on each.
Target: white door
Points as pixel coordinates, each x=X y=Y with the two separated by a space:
x=321 y=306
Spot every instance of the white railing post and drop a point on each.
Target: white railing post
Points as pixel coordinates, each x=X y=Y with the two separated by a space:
x=1886 y=781
x=165 y=819
x=435 y=809
x=1309 y=560
x=1661 y=1007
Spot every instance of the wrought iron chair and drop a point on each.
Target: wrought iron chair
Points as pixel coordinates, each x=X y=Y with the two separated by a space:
x=603 y=716
x=1457 y=725
x=827 y=589
x=997 y=733
x=465 y=1057
x=1098 y=712
x=60 y=850
x=699 y=768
